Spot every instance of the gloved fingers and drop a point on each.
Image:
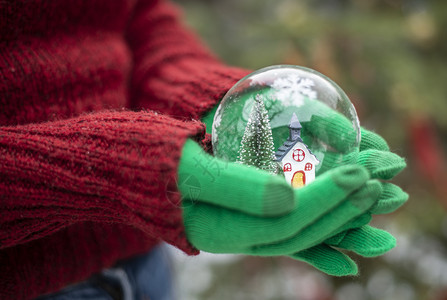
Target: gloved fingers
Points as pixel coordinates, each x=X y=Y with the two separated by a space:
x=326 y=226
x=371 y=140
x=366 y=241
x=391 y=199
x=358 y=222
x=220 y=230
x=331 y=128
x=327 y=260
x=333 y=159
x=207 y=227
x=381 y=164
x=332 y=187
x=207 y=179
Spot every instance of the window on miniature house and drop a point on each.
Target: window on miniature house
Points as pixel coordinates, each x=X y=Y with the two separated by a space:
x=308 y=167
x=298 y=154
x=287 y=167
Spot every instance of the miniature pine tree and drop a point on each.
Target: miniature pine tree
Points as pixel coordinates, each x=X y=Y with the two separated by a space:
x=257 y=147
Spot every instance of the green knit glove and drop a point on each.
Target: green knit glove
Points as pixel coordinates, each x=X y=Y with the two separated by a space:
x=364 y=240
x=356 y=236
x=233 y=208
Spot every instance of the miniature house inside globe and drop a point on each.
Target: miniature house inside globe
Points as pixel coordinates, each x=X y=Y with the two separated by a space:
x=304 y=121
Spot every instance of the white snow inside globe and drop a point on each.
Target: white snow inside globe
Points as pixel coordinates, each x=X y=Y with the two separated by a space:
x=287 y=120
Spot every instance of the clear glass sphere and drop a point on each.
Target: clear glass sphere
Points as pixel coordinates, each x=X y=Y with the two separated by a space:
x=327 y=120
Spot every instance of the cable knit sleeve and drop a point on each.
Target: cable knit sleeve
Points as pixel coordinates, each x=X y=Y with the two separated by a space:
x=107 y=167
x=173 y=72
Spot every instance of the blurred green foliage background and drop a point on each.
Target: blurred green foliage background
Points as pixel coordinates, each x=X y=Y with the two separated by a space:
x=390 y=57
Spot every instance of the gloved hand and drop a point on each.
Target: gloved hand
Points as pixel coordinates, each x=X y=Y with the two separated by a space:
x=355 y=236
x=233 y=208
x=363 y=240
x=375 y=155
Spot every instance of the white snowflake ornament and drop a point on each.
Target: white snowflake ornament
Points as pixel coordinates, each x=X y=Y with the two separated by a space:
x=293 y=89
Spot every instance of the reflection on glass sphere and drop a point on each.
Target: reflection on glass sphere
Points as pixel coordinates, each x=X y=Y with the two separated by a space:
x=293 y=97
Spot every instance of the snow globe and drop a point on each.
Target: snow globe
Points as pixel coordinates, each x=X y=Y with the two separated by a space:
x=287 y=120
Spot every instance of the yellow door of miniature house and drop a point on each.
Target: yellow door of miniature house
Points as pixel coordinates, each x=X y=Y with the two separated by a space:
x=298 y=179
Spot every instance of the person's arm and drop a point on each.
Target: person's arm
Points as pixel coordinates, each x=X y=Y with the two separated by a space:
x=173 y=72
x=110 y=167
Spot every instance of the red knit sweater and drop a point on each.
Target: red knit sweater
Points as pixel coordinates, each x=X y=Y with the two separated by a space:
x=96 y=100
